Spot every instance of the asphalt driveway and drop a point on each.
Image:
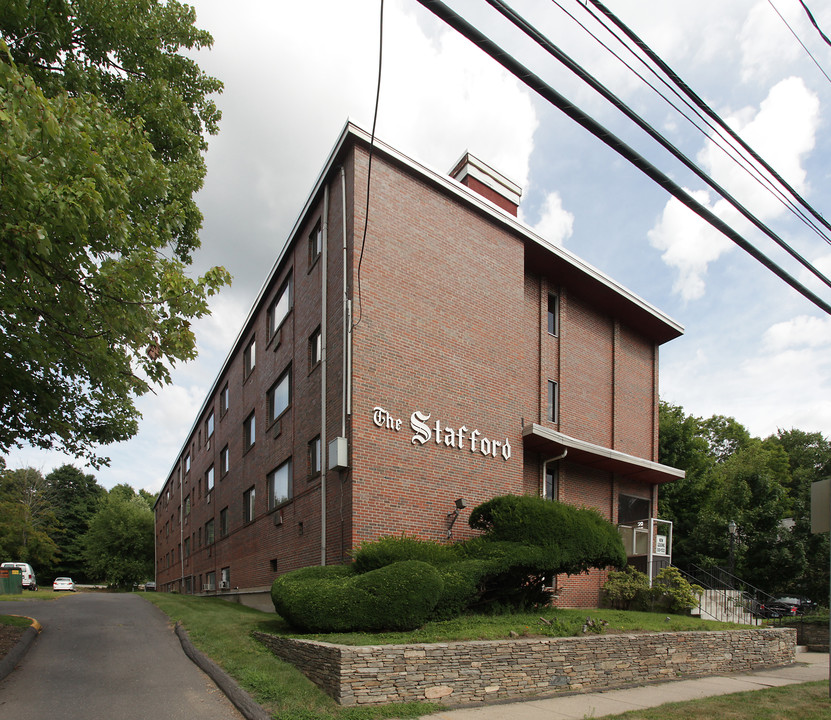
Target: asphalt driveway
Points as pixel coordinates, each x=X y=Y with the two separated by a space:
x=102 y=656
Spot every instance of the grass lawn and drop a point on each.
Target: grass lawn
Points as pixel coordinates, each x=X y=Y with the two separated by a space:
x=806 y=701
x=15 y=621
x=41 y=594
x=222 y=630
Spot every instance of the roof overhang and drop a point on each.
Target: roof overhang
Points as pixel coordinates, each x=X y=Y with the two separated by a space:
x=547 y=441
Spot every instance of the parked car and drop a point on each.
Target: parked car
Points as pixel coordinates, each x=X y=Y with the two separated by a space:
x=150 y=586
x=786 y=606
x=28 y=580
x=63 y=583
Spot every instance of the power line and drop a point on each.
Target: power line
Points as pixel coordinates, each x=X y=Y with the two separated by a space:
x=534 y=82
x=718 y=127
x=709 y=112
x=793 y=32
x=601 y=89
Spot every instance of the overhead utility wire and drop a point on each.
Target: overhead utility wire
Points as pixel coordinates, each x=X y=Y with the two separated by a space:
x=369 y=162
x=814 y=23
x=440 y=10
x=793 y=32
x=717 y=138
x=607 y=94
x=705 y=108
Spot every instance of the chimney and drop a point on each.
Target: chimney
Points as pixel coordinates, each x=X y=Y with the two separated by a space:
x=483 y=179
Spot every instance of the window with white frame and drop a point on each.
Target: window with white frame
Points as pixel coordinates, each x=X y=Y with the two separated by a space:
x=279 y=308
x=249 y=358
x=249 y=432
x=279 y=484
x=553 y=411
x=224 y=400
x=315 y=348
x=553 y=315
x=315 y=243
x=314 y=456
x=248 y=498
x=279 y=396
x=209 y=479
x=224 y=461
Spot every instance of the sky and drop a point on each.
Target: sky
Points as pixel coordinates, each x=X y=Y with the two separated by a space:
x=294 y=73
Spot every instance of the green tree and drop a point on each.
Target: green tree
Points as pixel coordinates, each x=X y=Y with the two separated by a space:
x=809 y=456
x=119 y=543
x=102 y=125
x=28 y=519
x=76 y=497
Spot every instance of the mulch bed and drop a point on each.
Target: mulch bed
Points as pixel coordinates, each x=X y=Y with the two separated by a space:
x=9 y=635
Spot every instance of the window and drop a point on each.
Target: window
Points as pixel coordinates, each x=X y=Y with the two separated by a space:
x=248 y=498
x=315 y=243
x=248 y=432
x=552 y=479
x=210 y=581
x=279 y=396
x=278 y=309
x=279 y=484
x=187 y=506
x=315 y=348
x=314 y=457
x=553 y=315
x=224 y=461
x=209 y=532
x=224 y=399
x=187 y=469
x=209 y=428
x=225 y=577
x=223 y=522
x=552 y=402
x=249 y=358
x=631 y=509
x=187 y=547
x=209 y=479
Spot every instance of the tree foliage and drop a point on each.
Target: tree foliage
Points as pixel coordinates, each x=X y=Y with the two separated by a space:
x=75 y=497
x=119 y=544
x=763 y=485
x=102 y=124
x=27 y=518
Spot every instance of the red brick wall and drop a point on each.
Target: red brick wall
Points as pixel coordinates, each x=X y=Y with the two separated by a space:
x=450 y=323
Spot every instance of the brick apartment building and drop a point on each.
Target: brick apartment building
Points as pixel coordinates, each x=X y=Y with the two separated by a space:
x=453 y=355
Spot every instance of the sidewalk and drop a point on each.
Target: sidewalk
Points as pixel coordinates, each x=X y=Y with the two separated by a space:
x=809 y=667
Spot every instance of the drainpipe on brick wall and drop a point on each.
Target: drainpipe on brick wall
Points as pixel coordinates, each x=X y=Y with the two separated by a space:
x=556 y=458
x=347 y=319
x=324 y=280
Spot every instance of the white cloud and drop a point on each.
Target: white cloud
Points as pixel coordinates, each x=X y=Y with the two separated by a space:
x=689 y=245
x=765 y=41
x=803 y=332
x=556 y=223
x=783 y=132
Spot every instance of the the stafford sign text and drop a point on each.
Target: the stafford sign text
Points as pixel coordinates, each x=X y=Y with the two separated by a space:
x=461 y=438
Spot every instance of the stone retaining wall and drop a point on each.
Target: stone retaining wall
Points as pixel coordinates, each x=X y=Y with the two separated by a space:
x=469 y=672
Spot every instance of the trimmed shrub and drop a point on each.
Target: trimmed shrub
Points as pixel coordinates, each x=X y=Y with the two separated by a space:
x=672 y=593
x=626 y=589
x=400 y=596
x=576 y=538
x=387 y=550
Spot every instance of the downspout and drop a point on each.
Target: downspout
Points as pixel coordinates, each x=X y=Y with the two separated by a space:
x=324 y=280
x=181 y=531
x=347 y=321
x=545 y=468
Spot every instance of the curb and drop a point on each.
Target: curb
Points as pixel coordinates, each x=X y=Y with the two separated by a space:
x=240 y=699
x=15 y=655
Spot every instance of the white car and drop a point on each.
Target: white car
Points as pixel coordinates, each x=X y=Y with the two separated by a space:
x=63 y=583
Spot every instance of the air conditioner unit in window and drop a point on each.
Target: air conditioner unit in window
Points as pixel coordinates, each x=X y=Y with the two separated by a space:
x=224 y=584
x=207 y=587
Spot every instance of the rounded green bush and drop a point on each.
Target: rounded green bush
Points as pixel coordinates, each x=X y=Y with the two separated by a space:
x=400 y=596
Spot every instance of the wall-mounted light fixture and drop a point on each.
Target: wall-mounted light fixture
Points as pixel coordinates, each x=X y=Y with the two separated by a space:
x=453 y=515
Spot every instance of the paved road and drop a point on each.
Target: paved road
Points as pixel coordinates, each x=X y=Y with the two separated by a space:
x=102 y=656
